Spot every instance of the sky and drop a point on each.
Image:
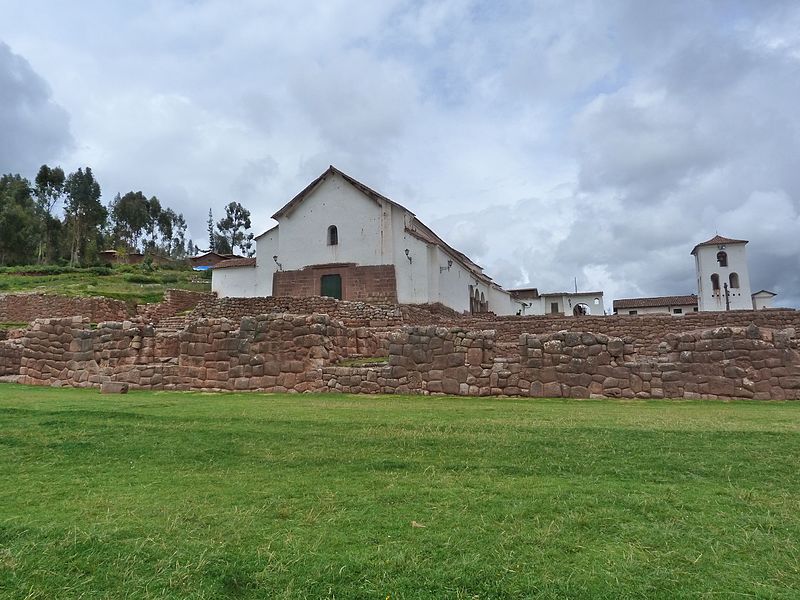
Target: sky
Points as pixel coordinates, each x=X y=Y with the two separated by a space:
x=551 y=141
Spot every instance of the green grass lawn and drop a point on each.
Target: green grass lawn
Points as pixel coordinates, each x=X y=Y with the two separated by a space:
x=190 y=495
x=123 y=283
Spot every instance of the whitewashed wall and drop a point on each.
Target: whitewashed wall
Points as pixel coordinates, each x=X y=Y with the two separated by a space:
x=235 y=281
x=358 y=219
x=651 y=310
x=706 y=264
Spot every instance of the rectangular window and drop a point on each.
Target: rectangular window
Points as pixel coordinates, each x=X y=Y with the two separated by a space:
x=677 y=311
x=633 y=312
x=554 y=307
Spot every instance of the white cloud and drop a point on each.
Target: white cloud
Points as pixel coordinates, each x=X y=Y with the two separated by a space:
x=551 y=140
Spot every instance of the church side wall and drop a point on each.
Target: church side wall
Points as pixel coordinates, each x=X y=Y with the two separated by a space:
x=412 y=276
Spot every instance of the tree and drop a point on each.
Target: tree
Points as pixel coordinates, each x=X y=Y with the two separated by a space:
x=19 y=223
x=233 y=229
x=85 y=215
x=129 y=216
x=212 y=238
x=49 y=192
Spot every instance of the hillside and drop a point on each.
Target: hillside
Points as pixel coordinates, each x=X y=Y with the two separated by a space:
x=129 y=283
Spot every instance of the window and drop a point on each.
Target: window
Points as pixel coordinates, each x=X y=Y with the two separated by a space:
x=694 y=309
x=554 y=307
x=597 y=300
x=633 y=312
x=333 y=236
x=677 y=311
x=715 y=282
x=734 y=279
x=722 y=258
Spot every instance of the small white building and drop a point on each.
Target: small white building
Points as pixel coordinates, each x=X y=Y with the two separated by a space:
x=670 y=305
x=559 y=303
x=342 y=239
x=762 y=299
x=723 y=280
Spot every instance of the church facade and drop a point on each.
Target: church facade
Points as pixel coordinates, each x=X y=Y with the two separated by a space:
x=342 y=239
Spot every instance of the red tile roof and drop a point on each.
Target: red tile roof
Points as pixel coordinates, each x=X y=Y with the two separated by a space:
x=236 y=262
x=718 y=240
x=690 y=300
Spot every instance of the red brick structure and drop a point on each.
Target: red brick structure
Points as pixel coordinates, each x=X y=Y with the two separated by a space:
x=373 y=284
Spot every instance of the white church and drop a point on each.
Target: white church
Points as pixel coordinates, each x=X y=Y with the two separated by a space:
x=723 y=283
x=342 y=239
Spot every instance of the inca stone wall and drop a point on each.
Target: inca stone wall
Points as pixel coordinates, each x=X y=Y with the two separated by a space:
x=175 y=301
x=300 y=353
x=10 y=358
x=24 y=308
x=270 y=352
x=352 y=314
x=724 y=362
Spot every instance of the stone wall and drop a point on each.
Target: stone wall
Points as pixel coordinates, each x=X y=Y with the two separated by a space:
x=175 y=302
x=10 y=358
x=647 y=331
x=269 y=352
x=284 y=352
x=24 y=308
x=720 y=363
x=373 y=283
x=352 y=314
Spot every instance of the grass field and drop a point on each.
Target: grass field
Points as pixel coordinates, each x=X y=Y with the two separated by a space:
x=171 y=495
x=126 y=283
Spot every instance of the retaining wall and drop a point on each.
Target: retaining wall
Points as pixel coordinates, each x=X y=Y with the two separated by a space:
x=352 y=314
x=24 y=308
x=282 y=352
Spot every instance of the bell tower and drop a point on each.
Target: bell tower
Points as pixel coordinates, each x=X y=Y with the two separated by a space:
x=723 y=281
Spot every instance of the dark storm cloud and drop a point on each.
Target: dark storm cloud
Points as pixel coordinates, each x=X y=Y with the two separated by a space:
x=33 y=128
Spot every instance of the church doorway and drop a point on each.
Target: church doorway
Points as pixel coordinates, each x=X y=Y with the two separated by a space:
x=331 y=286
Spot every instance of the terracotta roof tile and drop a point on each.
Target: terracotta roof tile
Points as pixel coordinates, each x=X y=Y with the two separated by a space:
x=690 y=300
x=236 y=262
x=718 y=240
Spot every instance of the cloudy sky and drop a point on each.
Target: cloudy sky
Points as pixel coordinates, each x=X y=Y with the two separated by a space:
x=597 y=139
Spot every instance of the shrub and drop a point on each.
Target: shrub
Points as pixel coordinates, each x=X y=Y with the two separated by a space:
x=135 y=278
x=169 y=278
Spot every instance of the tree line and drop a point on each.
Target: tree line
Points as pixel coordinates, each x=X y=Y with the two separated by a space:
x=59 y=219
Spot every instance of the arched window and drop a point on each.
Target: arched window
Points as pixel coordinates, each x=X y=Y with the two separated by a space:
x=715 y=282
x=333 y=235
x=722 y=258
x=734 y=279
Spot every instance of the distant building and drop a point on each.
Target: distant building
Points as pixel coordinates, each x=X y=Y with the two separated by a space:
x=559 y=303
x=723 y=280
x=209 y=260
x=723 y=283
x=671 y=305
x=762 y=299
